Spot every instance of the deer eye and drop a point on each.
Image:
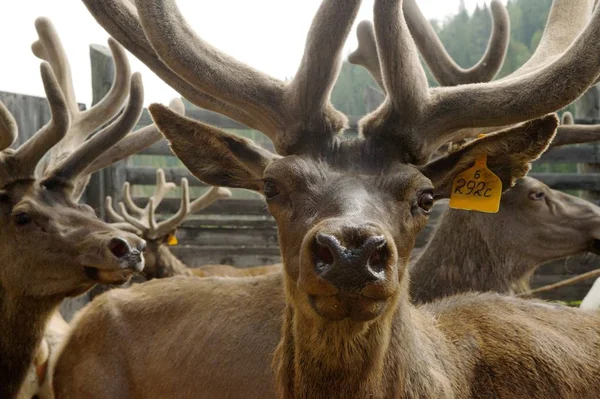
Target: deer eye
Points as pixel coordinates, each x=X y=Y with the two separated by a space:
x=426 y=201
x=270 y=189
x=537 y=195
x=22 y=219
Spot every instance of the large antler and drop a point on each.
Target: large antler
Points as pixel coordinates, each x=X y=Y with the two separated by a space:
x=83 y=123
x=417 y=120
x=21 y=163
x=132 y=143
x=145 y=219
x=441 y=65
x=213 y=80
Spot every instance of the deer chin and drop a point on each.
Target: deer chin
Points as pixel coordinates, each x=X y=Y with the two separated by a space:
x=117 y=274
x=356 y=307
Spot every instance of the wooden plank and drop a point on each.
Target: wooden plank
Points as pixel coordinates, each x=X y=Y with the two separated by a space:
x=233 y=237
x=572 y=154
x=238 y=223
x=194 y=256
x=569 y=181
x=146 y=175
x=225 y=207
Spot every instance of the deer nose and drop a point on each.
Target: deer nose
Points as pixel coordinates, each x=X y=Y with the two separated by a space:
x=119 y=247
x=351 y=268
x=130 y=255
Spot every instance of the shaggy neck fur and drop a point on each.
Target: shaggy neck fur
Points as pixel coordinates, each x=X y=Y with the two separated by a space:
x=22 y=323
x=470 y=261
x=167 y=264
x=382 y=358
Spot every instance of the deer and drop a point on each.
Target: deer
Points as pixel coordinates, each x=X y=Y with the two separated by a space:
x=348 y=212
x=160 y=261
x=41 y=183
x=554 y=225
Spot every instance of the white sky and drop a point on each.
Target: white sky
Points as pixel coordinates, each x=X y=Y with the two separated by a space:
x=269 y=35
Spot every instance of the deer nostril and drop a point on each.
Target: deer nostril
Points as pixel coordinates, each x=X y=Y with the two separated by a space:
x=378 y=259
x=119 y=247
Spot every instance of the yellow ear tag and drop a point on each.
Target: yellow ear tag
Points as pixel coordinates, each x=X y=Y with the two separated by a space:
x=477 y=189
x=172 y=241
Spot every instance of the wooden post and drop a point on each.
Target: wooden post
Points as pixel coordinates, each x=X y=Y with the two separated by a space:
x=103 y=72
x=588 y=108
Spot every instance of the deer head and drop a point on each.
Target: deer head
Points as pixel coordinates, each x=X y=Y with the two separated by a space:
x=158 y=234
x=52 y=245
x=348 y=211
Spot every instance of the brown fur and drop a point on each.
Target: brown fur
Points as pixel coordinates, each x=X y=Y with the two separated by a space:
x=468 y=250
x=378 y=358
x=352 y=333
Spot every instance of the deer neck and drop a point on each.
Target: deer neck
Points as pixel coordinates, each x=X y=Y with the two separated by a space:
x=468 y=252
x=379 y=359
x=169 y=264
x=22 y=323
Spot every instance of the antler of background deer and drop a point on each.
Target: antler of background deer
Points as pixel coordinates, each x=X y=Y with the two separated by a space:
x=144 y=219
x=21 y=163
x=573 y=280
x=83 y=123
x=133 y=143
x=442 y=66
x=432 y=117
x=283 y=111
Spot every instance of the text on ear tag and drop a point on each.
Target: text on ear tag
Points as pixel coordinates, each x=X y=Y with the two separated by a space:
x=477 y=189
x=172 y=241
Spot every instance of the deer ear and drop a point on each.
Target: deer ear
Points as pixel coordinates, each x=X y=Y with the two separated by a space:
x=212 y=155
x=509 y=154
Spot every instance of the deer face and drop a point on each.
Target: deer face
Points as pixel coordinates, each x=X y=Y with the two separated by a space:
x=345 y=234
x=56 y=246
x=347 y=217
x=563 y=224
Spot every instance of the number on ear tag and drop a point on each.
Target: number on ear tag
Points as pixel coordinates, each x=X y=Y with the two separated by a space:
x=477 y=189
x=172 y=241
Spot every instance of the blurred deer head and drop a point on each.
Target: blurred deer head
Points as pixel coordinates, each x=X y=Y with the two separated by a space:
x=159 y=235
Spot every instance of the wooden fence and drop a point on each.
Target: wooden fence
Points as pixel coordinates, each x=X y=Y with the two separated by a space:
x=239 y=231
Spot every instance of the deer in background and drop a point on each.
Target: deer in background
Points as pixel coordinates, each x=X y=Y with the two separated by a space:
x=348 y=213
x=160 y=261
x=537 y=223
x=58 y=248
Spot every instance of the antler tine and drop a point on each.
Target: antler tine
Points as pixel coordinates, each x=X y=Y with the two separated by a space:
x=321 y=63
x=172 y=223
x=567 y=119
x=366 y=53
x=72 y=167
x=119 y=18
x=49 y=48
x=8 y=128
x=402 y=74
x=30 y=153
x=113 y=216
x=84 y=123
x=132 y=220
x=213 y=195
x=133 y=143
x=436 y=116
x=162 y=188
x=441 y=65
x=127 y=198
